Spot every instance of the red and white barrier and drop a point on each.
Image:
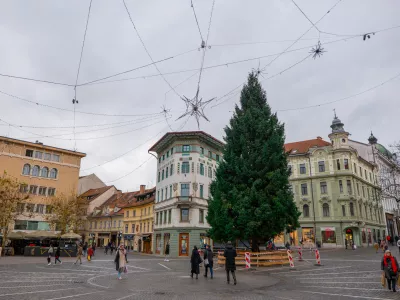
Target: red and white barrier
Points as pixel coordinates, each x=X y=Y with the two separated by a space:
x=317 y=258
x=290 y=257
x=300 y=251
x=247 y=258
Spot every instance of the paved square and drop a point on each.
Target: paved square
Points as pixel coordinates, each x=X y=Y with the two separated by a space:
x=345 y=274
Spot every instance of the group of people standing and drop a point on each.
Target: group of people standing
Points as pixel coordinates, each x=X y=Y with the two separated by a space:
x=230 y=264
x=57 y=254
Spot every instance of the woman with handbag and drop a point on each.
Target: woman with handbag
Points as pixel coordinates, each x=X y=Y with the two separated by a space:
x=195 y=262
x=208 y=261
x=390 y=268
x=120 y=261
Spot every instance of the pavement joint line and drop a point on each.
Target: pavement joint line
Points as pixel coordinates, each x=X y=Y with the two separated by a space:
x=164 y=266
x=132 y=266
x=126 y=297
x=28 y=286
x=89 y=281
x=46 y=291
x=85 y=266
x=346 y=260
x=357 y=282
x=341 y=295
x=316 y=269
x=344 y=288
x=74 y=295
x=311 y=274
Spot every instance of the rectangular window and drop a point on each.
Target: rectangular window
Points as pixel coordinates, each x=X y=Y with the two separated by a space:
x=20 y=208
x=209 y=154
x=360 y=172
x=166 y=172
x=42 y=191
x=134 y=213
x=201 y=150
x=370 y=177
x=209 y=172
x=165 y=216
x=159 y=160
x=341 y=186
x=201 y=191
x=351 y=209
x=201 y=216
x=201 y=169
x=184 y=214
x=140 y=227
x=115 y=224
x=29 y=153
x=358 y=189
x=158 y=196
x=321 y=166
x=162 y=175
x=171 y=170
x=23 y=188
x=166 y=193
x=38 y=154
x=185 y=189
x=159 y=177
x=365 y=173
x=343 y=210
x=368 y=193
x=126 y=228
x=127 y=213
x=167 y=153
x=217 y=157
x=156 y=218
x=346 y=164
x=133 y=228
x=163 y=157
x=49 y=209
x=47 y=156
x=324 y=187
x=56 y=157
x=290 y=169
x=51 y=191
x=363 y=191
x=39 y=208
x=30 y=207
x=338 y=164
x=169 y=216
x=302 y=168
x=172 y=150
x=186 y=148
x=185 y=167
x=119 y=224
x=95 y=225
x=349 y=189
x=33 y=189
x=355 y=167
x=170 y=191
x=101 y=225
x=304 y=189
x=162 y=195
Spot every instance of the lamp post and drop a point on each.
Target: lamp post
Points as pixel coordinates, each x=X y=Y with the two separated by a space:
x=119 y=237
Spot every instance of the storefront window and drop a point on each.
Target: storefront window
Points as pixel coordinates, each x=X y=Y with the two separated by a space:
x=158 y=243
x=364 y=237
x=328 y=235
x=369 y=236
x=279 y=240
x=308 y=236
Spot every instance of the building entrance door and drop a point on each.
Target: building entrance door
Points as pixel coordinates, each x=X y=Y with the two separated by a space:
x=183 y=244
x=349 y=236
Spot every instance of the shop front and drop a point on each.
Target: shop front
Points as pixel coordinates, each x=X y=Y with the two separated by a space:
x=158 y=243
x=103 y=239
x=308 y=237
x=390 y=225
x=204 y=240
x=167 y=238
x=183 y=244
x=328 y=235
x=128 y=241
x=146 y=243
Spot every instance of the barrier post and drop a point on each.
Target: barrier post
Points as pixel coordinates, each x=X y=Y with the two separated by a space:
x=300 y=254
x=247 y=259
x=290 y=257
x=317 y=258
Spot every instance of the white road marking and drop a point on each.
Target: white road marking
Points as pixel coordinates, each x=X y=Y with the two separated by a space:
x=138 y=267
x=217 y=268
x=34 y=280
x=316 y=269
x=360 y=282
x=74 y=295
x=46 y=291
x=345 y=260
x=25 y=286
x=97 y=268
x=313 y=274
x=344 y=288
x=341 y=295
x=164 y=266
x=89 y=281
x=126 y=297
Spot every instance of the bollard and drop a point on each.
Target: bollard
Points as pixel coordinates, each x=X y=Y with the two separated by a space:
x=290 y=257
x=247 y=259
x=300 y=254
x=317 y=258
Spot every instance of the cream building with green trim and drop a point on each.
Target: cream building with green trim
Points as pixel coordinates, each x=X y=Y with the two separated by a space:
x=336 y=192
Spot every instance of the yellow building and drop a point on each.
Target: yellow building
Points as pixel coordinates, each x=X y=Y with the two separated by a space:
x=139 y=219
x=44 y=172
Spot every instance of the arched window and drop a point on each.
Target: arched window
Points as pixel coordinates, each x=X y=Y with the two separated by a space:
x=306 y=211
x=53 y=173
x=325 y=210
x=27 y=169
x=351 y=209
x=35 y=171
x=44 y=172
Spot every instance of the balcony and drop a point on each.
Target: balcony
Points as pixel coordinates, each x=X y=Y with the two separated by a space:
x=185 y=201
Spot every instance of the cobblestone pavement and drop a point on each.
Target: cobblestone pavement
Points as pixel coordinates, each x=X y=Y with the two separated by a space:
x=344 y=275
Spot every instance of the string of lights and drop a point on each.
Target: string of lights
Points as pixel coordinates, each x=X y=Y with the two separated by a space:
x=197 y=21
x=36 y=80
x=147 y=51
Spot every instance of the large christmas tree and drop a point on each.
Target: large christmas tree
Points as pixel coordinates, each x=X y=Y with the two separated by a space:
x=251 y=198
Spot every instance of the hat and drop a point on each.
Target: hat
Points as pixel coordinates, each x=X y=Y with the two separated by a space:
x=388 y=251
x=229 y=243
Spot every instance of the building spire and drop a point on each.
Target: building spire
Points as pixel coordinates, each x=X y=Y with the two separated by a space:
x=372 y=139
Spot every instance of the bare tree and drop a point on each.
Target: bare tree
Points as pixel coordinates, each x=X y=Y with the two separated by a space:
x=11 y=203
x=65 y=213
x=390 y=176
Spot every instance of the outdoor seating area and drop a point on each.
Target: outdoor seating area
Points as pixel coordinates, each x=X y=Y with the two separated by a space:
x=258 y=259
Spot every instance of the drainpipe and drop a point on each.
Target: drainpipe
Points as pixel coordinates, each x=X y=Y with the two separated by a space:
x=312 y=199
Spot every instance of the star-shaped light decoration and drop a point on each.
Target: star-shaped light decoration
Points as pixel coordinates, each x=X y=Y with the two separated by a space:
x=317 y=50
x=195 y=107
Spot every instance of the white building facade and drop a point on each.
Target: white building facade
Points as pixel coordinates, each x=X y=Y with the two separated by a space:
x=187 y=162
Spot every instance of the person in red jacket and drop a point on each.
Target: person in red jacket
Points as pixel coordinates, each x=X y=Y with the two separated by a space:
x=390 y=268
x=90 y=253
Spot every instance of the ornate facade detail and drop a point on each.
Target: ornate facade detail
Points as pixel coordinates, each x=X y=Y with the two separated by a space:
x=195 y=186
x=175 y=187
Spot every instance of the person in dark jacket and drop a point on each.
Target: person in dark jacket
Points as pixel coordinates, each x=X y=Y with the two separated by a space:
x=57 y=256
x=166 y=252
x=230 y=264
x=208 y=261
x=195 y=261
x=390 y=267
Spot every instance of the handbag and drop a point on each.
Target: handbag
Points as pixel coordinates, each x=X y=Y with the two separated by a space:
x=383 y=280
x=206 y=262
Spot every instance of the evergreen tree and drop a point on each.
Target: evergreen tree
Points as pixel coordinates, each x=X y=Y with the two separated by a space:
x=251 y=198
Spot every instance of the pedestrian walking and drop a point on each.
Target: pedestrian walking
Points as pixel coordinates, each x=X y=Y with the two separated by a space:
x=345 y=243
x=208 y=261
x=195 y=261
x=120 y=261
x=90 y=254
x=376 y=246
x=166 y=252
x=94 y=249
x=50 y=254
x=57 y=256
x=398 y=245
x=79 y=254
x=84 y=249
x=390 y=268
x=112 y=248
x=230 y=264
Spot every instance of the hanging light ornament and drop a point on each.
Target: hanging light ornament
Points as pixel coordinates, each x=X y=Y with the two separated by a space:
x=317 y=50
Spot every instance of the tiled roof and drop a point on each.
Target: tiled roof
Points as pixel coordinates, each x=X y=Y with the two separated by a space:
x=94 y=193
x=302 y=147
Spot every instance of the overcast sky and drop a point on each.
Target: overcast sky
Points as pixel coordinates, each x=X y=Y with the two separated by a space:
x=43 y=40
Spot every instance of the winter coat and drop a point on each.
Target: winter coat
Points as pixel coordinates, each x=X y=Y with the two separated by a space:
x=230 y=254
x=208 y=254
x=51 y=250
x=58 y=252
x=80 y=249
x=167 y=249
x=195 y=262
x=120 y=260
x=386 y=265
x=398 y=243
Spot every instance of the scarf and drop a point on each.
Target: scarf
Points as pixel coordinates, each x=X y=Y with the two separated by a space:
x=394 y=266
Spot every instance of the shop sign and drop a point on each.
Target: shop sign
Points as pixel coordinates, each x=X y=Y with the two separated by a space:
x=128 y=237
x=167 y=234
x=327 y=228
x=203 y=235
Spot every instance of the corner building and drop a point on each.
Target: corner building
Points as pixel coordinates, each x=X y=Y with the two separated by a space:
x=187 y=162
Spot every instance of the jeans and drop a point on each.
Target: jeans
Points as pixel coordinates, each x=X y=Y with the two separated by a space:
x=392 y=283
x=57 y=258
x=119 y=274
x=211 y=270
x=233 y=275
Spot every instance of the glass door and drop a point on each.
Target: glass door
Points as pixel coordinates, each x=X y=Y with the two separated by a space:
x=183 y=244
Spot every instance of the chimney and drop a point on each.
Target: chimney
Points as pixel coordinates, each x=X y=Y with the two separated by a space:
x=319 y=138
x=142 y=188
